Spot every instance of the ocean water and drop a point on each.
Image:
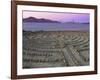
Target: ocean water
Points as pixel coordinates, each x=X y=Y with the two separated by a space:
x=35 y=26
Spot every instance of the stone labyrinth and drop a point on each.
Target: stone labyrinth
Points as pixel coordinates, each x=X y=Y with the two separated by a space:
x=55 y=49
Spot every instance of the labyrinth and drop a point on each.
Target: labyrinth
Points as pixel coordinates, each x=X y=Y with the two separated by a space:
x=55 y=49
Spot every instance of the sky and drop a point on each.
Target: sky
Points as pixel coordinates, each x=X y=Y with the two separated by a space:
x=59 y=16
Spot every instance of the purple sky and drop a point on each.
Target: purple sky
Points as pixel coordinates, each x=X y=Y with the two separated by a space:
x=58 y=16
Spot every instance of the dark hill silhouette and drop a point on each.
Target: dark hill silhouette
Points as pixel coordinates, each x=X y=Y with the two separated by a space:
x=33 y=19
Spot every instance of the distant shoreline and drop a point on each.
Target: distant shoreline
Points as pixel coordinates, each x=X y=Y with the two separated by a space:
x=57 y=31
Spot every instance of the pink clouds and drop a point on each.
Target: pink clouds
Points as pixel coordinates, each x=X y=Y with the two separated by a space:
x=58 y=16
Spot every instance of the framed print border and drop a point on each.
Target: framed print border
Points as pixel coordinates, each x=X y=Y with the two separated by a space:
x=14 y=41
